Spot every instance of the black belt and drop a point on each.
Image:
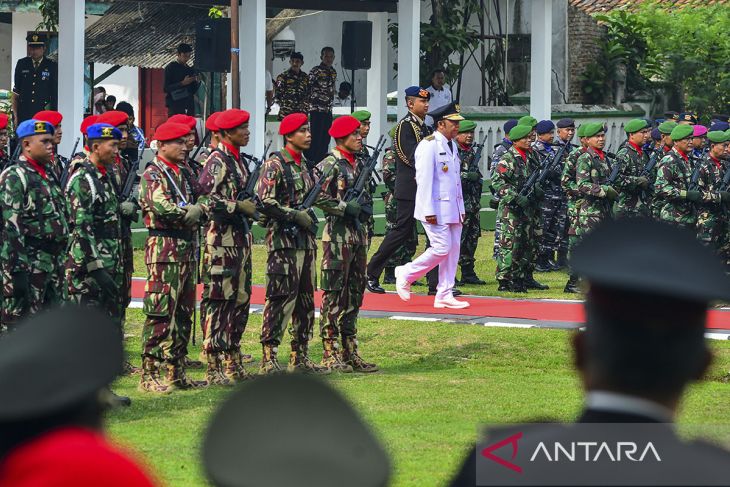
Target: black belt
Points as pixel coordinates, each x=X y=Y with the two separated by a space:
x=179 y=234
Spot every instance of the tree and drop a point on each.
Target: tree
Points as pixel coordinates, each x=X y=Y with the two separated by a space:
x=49 y=12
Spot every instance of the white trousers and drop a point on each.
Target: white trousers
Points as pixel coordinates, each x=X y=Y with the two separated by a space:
x=444 y=251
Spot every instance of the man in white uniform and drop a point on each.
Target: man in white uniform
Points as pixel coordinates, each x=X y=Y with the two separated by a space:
x=439 y=207
x=440 y=94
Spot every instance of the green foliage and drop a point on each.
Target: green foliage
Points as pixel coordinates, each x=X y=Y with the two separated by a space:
x=215 y=13
x=49 y=11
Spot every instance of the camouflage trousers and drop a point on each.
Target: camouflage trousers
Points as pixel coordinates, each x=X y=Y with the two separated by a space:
x=497 y=234
x=226 y=296
x=554 y=220
x=44 y=292
x=127 y=263
x=470 y=234
x=534 y=237
x=406 y=251
x=589 y=216
x=711 y=228
x=290 y=283
x=343 y=285
x=169 y=298
x=84 y=291
x=513 y=243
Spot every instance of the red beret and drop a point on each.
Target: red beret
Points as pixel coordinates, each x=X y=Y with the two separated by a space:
x=87 y=122
x=232 y=118
x=292 y=123
x=183 y=119
x=3 y=121
x=171 y=131
x=343 y=126
x=113 y=117
x=210 y=123
x=51 y=116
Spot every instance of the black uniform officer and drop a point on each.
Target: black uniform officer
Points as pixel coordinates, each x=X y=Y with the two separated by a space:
x=36 y=80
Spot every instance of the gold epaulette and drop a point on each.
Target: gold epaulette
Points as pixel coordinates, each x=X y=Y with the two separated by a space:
x=430 y=137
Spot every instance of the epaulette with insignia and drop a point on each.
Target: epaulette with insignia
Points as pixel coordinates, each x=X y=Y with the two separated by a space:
x=430 y=137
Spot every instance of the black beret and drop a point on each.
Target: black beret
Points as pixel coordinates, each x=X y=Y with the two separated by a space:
x=565 y=123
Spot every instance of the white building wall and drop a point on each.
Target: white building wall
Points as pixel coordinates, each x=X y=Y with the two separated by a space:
x=6 y=39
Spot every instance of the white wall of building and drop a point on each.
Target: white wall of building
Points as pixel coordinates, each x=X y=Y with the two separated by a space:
x=123 y=84
x=6 y=39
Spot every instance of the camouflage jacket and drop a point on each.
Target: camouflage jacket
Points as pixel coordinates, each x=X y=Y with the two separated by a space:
x=282 y=187
x=35 y=219
x=499 y=151
x=94 y=220
x=322 y=80
x=632 y=199
x=221 y=181
x=291 y=92
x=709 y=209
x=567 y=178
x=551 y=184
x=672 y=182
x=339 y=175
x=162 y=211
x=509 y=176
x=388 y=172
x=591 y=173
x=472 y=190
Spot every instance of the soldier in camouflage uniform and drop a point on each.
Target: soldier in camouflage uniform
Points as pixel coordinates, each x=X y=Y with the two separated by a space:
x=292 y=87
x=631 y=185
x=471 y=184
x=499 y=151
x=552 y=204
x=58 y=162
x=170 y=291
x=362 y=158
x=592 y=171
x=509 y=175
x=569 y=185
x=666 y=143
x=35 y=226
x=292 y=251
x=712 y=221
x=674 y=195
x=228 y=241
x=344 y=248
x=4 y=156
x=322 y=81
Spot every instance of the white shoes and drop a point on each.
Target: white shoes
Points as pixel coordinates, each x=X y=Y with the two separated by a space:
x=449 y=302
x=402 y=286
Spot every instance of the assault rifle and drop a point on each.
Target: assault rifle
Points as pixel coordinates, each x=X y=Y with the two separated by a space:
x=131 y=178
x=694 y=179
x=357 y=192
x=478 y=148
x=538 y=175
x=291 y=229
x=249 y=192
x=202 y=144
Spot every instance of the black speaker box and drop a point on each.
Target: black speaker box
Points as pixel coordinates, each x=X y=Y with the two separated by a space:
x=213 y=45
x=357 y=39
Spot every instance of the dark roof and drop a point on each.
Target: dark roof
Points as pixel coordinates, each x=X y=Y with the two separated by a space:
x=142 y=34
x=599 y=6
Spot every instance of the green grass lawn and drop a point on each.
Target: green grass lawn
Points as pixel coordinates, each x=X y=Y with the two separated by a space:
x=438 y=383
x=485 y=266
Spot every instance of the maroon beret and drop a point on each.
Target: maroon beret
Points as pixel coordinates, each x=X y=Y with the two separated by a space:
x=232 y=118
x=3 y=121
x=183 y=119
x=51 y=116
x=87 y=122
x=343 y=126
x=292 y=123
x=113 y=117
x=171 y=131
x=210 y=123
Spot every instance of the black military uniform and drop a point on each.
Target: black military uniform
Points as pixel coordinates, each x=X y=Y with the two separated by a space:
x=35 y=84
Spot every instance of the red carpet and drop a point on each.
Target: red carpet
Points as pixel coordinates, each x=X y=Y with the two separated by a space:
x=540 y=310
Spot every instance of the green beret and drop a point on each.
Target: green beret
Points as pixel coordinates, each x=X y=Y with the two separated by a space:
x=682 y=132
x=635 y=125
x=580 y=131
x=467 y=126
x=667 y=127
x=519 y=132
x=362 y=115
x=392 y=130
x=592 y=129
x=718 y=137
x=527 y=120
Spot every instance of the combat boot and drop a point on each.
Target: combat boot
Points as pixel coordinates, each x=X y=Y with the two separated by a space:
x=299 y=361
x=562 y=261
x=389 y=275
x=190 y=363
x=150 y=380
x=269 y=361
x=531 y=283
x=504 y=286
x=468 y=276
x=214 y=373
x=234 y=369
x=353 y=359
x=543 y=264
x=519 y=286
x=571 y=286
x=178 y=379
x=246 y=358
x=332 y=358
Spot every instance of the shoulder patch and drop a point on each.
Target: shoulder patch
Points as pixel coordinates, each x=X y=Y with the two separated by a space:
x=430 y=137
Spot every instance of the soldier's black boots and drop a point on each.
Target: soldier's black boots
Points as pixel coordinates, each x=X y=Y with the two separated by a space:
x=389 y=276
x=572 y=285
x=562 y=261
x=543 y=264
x=518 y=286
x=504 y=286
x=531 y=283
x=374 y=286
x=468 y=276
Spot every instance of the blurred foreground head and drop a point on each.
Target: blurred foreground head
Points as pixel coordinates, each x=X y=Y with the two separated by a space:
x=291 y=430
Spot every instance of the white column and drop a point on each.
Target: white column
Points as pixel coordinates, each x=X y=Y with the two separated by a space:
x=252 y=42
x=409 y=36
x=541 y=59
x=71 y=70
x=378 y=76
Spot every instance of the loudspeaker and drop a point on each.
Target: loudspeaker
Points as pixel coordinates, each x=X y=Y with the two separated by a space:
x=357 y=39
x=213 y=45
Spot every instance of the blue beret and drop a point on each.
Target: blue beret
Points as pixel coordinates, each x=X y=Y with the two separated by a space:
x=656 y=135
x=103 y=131
x=544 y=126
x=509 y=125
x=418 y=91
x=719 y=126
x=33 y=127
x=564 y=123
